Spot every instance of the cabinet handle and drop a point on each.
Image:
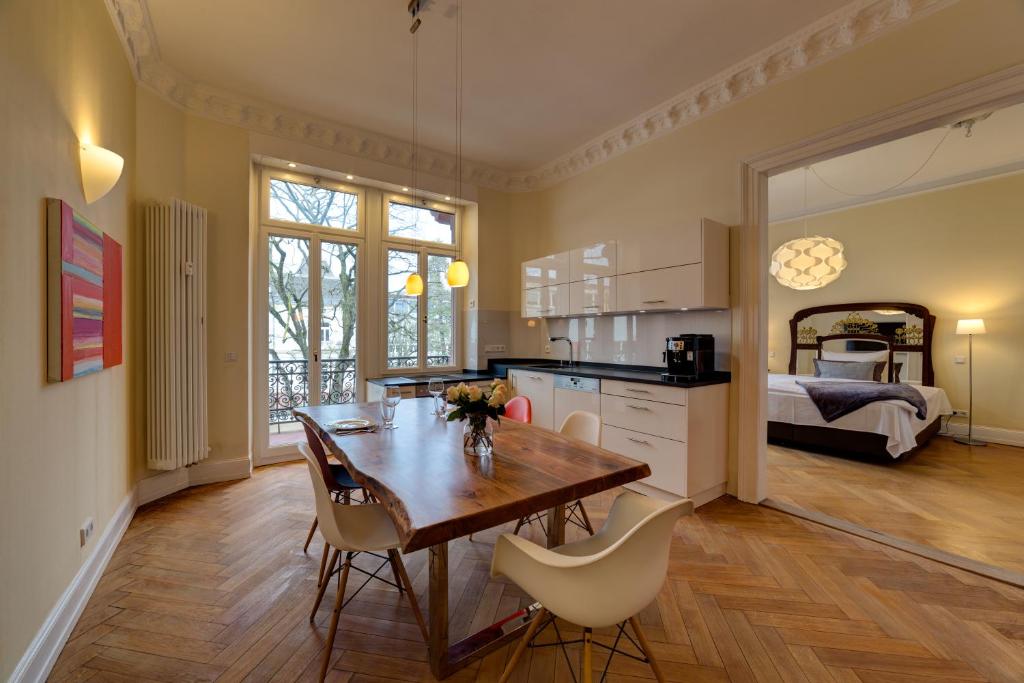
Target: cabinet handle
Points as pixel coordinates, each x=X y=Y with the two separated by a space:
x=639 y=441
x=653 y=301
x=637 y=391
x=628 y=405
x=536 y=378
x=591 y=308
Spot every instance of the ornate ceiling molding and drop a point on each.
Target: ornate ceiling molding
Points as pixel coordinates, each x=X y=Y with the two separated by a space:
x=846 y=29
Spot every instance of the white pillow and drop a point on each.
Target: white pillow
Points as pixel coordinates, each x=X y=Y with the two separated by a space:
x=859 y=356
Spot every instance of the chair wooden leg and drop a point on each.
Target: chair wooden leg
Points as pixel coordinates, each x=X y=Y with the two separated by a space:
x=586 y=518
x=531 y=631
x=346 y=497
x=587 y=675
x=394 y=571
x=648 y=652
x=309 y=537
x=323 y=585
x=323 y=564
x=396 y=561
x=339 y=600
x=519 y=525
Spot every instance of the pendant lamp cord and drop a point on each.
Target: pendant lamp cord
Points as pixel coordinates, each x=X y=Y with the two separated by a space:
x=882 y=191
x=458 y=115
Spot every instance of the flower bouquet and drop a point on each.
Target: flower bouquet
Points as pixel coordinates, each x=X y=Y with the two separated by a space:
x=478 y=407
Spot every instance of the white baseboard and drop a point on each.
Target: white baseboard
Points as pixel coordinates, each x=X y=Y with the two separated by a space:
x=207 y=472
x=274 y=458
x=1007 y=437
x=698 y=499
x=42 y=652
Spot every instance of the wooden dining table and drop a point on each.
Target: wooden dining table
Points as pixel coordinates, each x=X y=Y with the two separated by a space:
x=435 y=493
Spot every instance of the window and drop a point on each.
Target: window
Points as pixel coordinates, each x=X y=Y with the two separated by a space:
x=440 y=313
x=403 y=311
x=310 y=205
x=420 y=223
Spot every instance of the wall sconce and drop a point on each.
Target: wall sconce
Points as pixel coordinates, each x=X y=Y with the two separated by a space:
x=101 y=169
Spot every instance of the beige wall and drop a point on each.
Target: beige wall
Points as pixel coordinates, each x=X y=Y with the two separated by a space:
x=695 y=171
x=64 y=448
x=956 y=251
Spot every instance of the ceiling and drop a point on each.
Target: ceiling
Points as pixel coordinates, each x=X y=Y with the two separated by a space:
x=541 y=78
x=996 y=147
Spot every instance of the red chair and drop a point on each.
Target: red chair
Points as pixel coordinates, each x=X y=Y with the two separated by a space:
x=519 y=409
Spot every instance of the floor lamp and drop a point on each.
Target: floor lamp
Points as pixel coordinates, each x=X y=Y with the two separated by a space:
x=970 y=328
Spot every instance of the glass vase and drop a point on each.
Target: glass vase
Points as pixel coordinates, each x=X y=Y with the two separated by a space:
x=478 y=436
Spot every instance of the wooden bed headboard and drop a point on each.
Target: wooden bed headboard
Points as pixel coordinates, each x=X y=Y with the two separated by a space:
x=908 y=338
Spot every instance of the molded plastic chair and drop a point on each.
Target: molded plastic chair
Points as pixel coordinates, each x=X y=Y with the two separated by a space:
x=519 y=409
x=355 y=529
x=601 y=581
x=585 y=426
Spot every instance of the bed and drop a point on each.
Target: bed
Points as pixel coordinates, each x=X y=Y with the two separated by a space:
x=896 y=334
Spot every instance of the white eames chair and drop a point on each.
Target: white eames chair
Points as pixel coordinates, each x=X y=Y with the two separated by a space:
x=585 y=426
x=354 y=529
x=600 y=581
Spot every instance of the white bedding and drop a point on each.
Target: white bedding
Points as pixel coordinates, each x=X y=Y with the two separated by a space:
x=788 y=402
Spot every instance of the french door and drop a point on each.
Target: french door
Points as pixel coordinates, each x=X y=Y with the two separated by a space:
x=310 y=317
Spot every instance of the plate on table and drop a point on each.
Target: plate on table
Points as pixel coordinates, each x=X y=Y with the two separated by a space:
x=354 y=424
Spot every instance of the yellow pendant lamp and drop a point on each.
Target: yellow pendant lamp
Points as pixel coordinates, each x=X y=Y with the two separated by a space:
x=458 y=273
x=458 y=270
x=414 y=285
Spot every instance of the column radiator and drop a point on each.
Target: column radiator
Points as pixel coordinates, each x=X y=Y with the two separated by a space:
x=175 y=262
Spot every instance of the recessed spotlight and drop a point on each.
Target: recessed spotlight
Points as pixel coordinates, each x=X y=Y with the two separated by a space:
x=448 y=199
x=405 y=189
x=291 y=164
x=348 y=177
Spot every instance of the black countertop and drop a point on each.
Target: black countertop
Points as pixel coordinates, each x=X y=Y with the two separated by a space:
x=499 y=368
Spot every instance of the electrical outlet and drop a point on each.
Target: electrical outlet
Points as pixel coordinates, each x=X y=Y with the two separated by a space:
x=85 y=533
x=771 y=354
x=495 y=348
x=960 y=413
x=547 y=348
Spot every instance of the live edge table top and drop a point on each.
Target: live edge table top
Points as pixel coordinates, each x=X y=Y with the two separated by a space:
x=436 y=493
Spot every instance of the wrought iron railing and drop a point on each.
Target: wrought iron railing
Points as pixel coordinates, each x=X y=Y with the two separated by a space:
x=289 y=385
x=396 y=362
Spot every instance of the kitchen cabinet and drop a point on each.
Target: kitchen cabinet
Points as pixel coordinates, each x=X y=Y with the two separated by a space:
x=593 y=261
x=681 y=433
x=667 y=289
x=592 y=297
x=546 y=270
x=676 y=244
x=547 y=301
x=540 y=389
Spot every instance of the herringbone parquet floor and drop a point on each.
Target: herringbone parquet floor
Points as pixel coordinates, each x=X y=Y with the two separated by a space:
x=964 y=501
x=212 y=584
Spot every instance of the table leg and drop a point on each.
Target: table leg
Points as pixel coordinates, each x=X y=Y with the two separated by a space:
x=438 y=604
x=556 y=526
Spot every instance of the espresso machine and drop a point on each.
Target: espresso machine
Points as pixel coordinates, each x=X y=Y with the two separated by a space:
x=689 y=357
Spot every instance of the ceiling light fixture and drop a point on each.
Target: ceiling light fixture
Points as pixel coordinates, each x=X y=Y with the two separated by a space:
x=348 y=177
x=458 y=270
x=808 y=262
x=291 y=164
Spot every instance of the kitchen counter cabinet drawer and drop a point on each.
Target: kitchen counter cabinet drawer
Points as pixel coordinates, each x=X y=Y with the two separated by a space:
x=649 y=392
x=666 y=458
x=649 y=417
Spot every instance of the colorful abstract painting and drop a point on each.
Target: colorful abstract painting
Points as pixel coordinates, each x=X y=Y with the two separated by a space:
x=84 y=295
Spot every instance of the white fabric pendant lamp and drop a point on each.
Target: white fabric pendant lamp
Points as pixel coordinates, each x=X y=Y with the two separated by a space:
x=970 y=327
x=808 y=262
x=101 y=170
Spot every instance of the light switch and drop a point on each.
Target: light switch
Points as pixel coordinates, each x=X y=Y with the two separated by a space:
x=959 y=360
x=230 y=357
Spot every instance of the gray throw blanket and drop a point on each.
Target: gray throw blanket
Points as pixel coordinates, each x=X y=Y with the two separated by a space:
x=835 y=399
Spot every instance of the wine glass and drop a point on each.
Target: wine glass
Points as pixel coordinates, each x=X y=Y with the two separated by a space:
x=388 y=404
x=435 y=385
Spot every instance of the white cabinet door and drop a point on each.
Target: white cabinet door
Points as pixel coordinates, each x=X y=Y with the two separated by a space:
x=546 y=270
x=667 y=459
x=594 y=261
x=532 y=302
x=590 y=297
x=666 y=289
x=539 y=387
x=664 y=247
x=650 y=417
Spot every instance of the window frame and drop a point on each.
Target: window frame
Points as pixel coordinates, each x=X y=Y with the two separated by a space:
x=269 y=174
x=422 y=249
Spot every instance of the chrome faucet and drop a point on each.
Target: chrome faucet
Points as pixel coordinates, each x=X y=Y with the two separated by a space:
x=568 y=341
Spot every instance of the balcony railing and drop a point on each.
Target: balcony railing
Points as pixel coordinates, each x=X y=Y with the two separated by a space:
x=289 y=385
x=396 y=362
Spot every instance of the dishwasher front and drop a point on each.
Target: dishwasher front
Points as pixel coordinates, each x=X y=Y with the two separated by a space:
x=576 y=393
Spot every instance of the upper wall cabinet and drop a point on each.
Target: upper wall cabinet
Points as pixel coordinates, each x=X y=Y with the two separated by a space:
x=545 y=302
x=546 y=270
x=663 y=247
x=592 y=262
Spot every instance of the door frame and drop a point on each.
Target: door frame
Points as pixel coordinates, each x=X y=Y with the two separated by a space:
x=993 y=91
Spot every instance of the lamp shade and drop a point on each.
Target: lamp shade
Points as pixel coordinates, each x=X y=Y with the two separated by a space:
x=414 y=285
x=970 y=326
x=458 y=274
x=101 y=169
x=808 y=262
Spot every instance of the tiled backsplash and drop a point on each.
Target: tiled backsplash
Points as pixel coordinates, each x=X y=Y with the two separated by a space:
x=637 y=339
